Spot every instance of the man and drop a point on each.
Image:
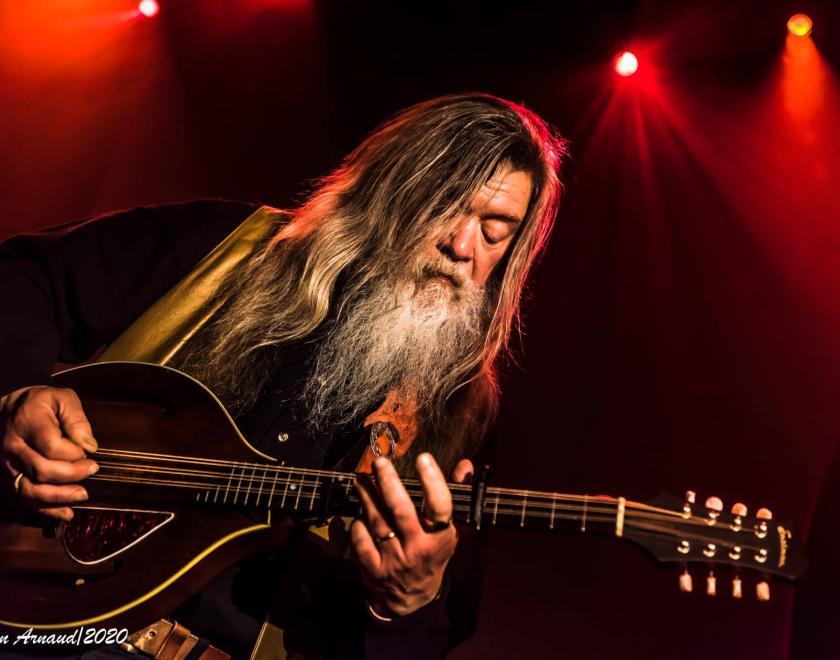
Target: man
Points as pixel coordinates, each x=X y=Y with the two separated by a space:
x=388 y=297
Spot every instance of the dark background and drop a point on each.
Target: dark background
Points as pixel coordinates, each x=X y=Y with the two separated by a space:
x=681 y=331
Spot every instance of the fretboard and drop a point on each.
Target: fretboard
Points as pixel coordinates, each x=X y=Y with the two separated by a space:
x=316 y=493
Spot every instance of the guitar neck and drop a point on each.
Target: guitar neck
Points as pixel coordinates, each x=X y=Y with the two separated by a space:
x=317 y=493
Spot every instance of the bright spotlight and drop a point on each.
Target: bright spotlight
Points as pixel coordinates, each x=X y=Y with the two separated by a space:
x=800 y=25
x=149 y=8
x=626 y=64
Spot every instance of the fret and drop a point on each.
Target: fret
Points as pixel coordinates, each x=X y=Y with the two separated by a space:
x=585 y=506
x=299 y=490
x=227 y=486
x=326 y=505
x=522 y=516
x=553 y=509
x=250 y=481
x=314 y=491
x=239 y=485
x=619 y=517
x=496 y=508
x=347 y=487
x=286 y=490
x=271 y=494
x=262 y=483
x=206 y=496
x=216 y=494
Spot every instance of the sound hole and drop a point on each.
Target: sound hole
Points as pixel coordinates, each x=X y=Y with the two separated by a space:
x=97 y=534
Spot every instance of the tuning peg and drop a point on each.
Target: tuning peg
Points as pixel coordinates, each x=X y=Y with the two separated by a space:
x=736 y=587
x=711 y=584
x=761 y=528
x=715 y=504
x=686 y=584
x=690 y=497
x=762 y=591
x=739 y=510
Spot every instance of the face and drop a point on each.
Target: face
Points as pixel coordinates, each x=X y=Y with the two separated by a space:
x=484 y=233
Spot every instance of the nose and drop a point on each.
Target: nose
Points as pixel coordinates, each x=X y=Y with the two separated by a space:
x=460 y=245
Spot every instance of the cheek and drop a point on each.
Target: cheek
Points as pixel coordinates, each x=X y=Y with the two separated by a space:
x=484 y=265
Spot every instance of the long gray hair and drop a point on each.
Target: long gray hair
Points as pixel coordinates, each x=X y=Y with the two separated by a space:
x=405 y=182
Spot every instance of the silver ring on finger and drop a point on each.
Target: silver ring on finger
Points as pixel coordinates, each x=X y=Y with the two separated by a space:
x=16 y=483
x=390 y=536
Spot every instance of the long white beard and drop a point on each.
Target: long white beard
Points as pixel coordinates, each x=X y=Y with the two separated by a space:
x=407 y=339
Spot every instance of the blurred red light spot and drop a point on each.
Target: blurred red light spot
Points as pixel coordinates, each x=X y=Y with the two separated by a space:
x=149 y=8
x=626 y=64
x=800 y=25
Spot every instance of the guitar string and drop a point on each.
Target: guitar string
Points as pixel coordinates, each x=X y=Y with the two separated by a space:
x=458 y=507
x=293 y=469
x=312 y=495
x=331 y=473
x=258 y=482
x=552 y=503
x=258 y=485
x=516 y=512
x=260 y=478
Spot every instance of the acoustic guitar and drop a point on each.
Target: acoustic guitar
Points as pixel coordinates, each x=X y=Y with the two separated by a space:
x=181 y=496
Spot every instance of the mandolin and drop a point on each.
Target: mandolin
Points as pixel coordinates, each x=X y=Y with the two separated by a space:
x=181 y=496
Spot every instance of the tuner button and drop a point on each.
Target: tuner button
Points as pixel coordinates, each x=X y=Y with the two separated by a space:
x=739 y=509
x=685 y=582
x=714 y=503
x=764 y=514
x=690 y=496
x=711 y=584
x=736 y=587
x=762 y=591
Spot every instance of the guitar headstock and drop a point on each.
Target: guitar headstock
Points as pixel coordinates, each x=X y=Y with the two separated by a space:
x=685 y=532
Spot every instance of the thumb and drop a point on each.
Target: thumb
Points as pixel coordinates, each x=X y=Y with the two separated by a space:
x=74 y=422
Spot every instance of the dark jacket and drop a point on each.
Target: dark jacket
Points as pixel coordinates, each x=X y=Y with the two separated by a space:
x=70 y=290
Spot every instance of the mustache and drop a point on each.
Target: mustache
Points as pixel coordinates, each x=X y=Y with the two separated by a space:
x=445 y=269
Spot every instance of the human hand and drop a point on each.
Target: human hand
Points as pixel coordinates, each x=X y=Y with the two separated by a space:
x=403 y=556
x=45 y=437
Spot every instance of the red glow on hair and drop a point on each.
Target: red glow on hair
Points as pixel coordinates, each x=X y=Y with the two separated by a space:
x=800 y=25
x=626 y=63
x=149 y=8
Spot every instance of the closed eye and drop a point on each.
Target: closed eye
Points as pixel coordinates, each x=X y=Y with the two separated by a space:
x=496 y=230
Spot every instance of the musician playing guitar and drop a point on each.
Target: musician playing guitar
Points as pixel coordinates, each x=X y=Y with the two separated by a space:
x=360 y=329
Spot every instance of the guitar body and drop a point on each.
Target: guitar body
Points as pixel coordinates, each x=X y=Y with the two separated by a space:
x=129 y=556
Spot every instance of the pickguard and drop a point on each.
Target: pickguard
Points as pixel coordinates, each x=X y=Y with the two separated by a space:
x=97 y=534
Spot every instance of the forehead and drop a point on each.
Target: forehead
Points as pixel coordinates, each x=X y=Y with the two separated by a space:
x=508 y=192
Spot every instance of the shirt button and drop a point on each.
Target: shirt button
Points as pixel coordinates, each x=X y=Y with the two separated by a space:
x=282 y=437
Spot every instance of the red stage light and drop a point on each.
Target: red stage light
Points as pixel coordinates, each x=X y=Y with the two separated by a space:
x=800 y=25
x=626 y=64
x=149 y=8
